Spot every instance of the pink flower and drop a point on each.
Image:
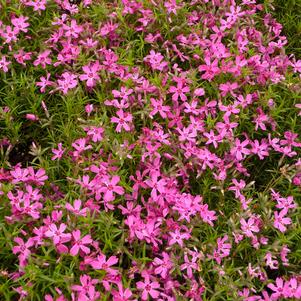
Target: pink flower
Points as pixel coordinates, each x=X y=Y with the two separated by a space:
x=109 y=187
x=22 y=249
x=86 y=291
x=162 y=266
x=43 y=59
x=155 y=184
x=179 y=91
x=283 y=255
x=172 y=6
x=189 y=266
x=277 y=289
x=123 y=120
x=58 y=153
x=76 y=208
x=238 y=186
x=21 y=56
x=38 y=4
x=122 y=294
x=260 y=149
x=199 y=92
x=158 y=107
x=80 y=146
x=223 y=249
x=239 y=149
x=212 y=138
x=280 y=221
x=208 y=216
x=156 y=60
x=20 y=23
x=270 y=262
x=89 y=109
x=211 y=69
x=91 y=74
x=100 y=263
x=57 y=234
x=73 y=30
x=148 y=288
x=228 y=88
x=79 y=243
x=178 y=237
x=248 y=227
x=68 y=81
x=4 y=64
x=96 y=133
x=260 y=120
x=44 y=82
x=124 y=93
x=10 y=34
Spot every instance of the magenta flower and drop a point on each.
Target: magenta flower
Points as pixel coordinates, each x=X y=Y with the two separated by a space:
x=100 y=263
x=96 y=133
x=179 y=91
x=45 y=82
x=178 y=237
x=158 y=107
x=22 y=249
x=277 y=289
x=79 y=243
x=20 y=23
x=4 y=63
x=280 y=221
x=123 y=120
x=109 y=187
x=189 y=266
x=32 y=117
x=260 y=149
x=211 y=69
x=156 y=60
x=212 y=138
x=163 y=266
x=76 y=208
x=43 y=59
x=21 y=57
x=270 y=261
x=239 y=149
x=228 y=88
x=91 y=74
x=122 y=294
x=80 y=146
x=238 y=186
x=73 y=30
x=208 y=216
x=148 y=288
x=10 y=34
x=156 y=184
x=58 y=153
x=248 y=227
x=124 y=93
x=37 y=4
x=86 y=291
x=68 y=81
x=57 y=234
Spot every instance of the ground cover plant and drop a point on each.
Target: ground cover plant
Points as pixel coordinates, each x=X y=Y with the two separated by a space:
x=150 y=150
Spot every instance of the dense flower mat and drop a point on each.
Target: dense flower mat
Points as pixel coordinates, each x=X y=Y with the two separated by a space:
x=150 y=150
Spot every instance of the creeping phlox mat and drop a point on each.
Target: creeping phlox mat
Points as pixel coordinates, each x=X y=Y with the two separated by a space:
x=149 y=150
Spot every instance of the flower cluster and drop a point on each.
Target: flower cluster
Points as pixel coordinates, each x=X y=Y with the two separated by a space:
x=174 y=184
